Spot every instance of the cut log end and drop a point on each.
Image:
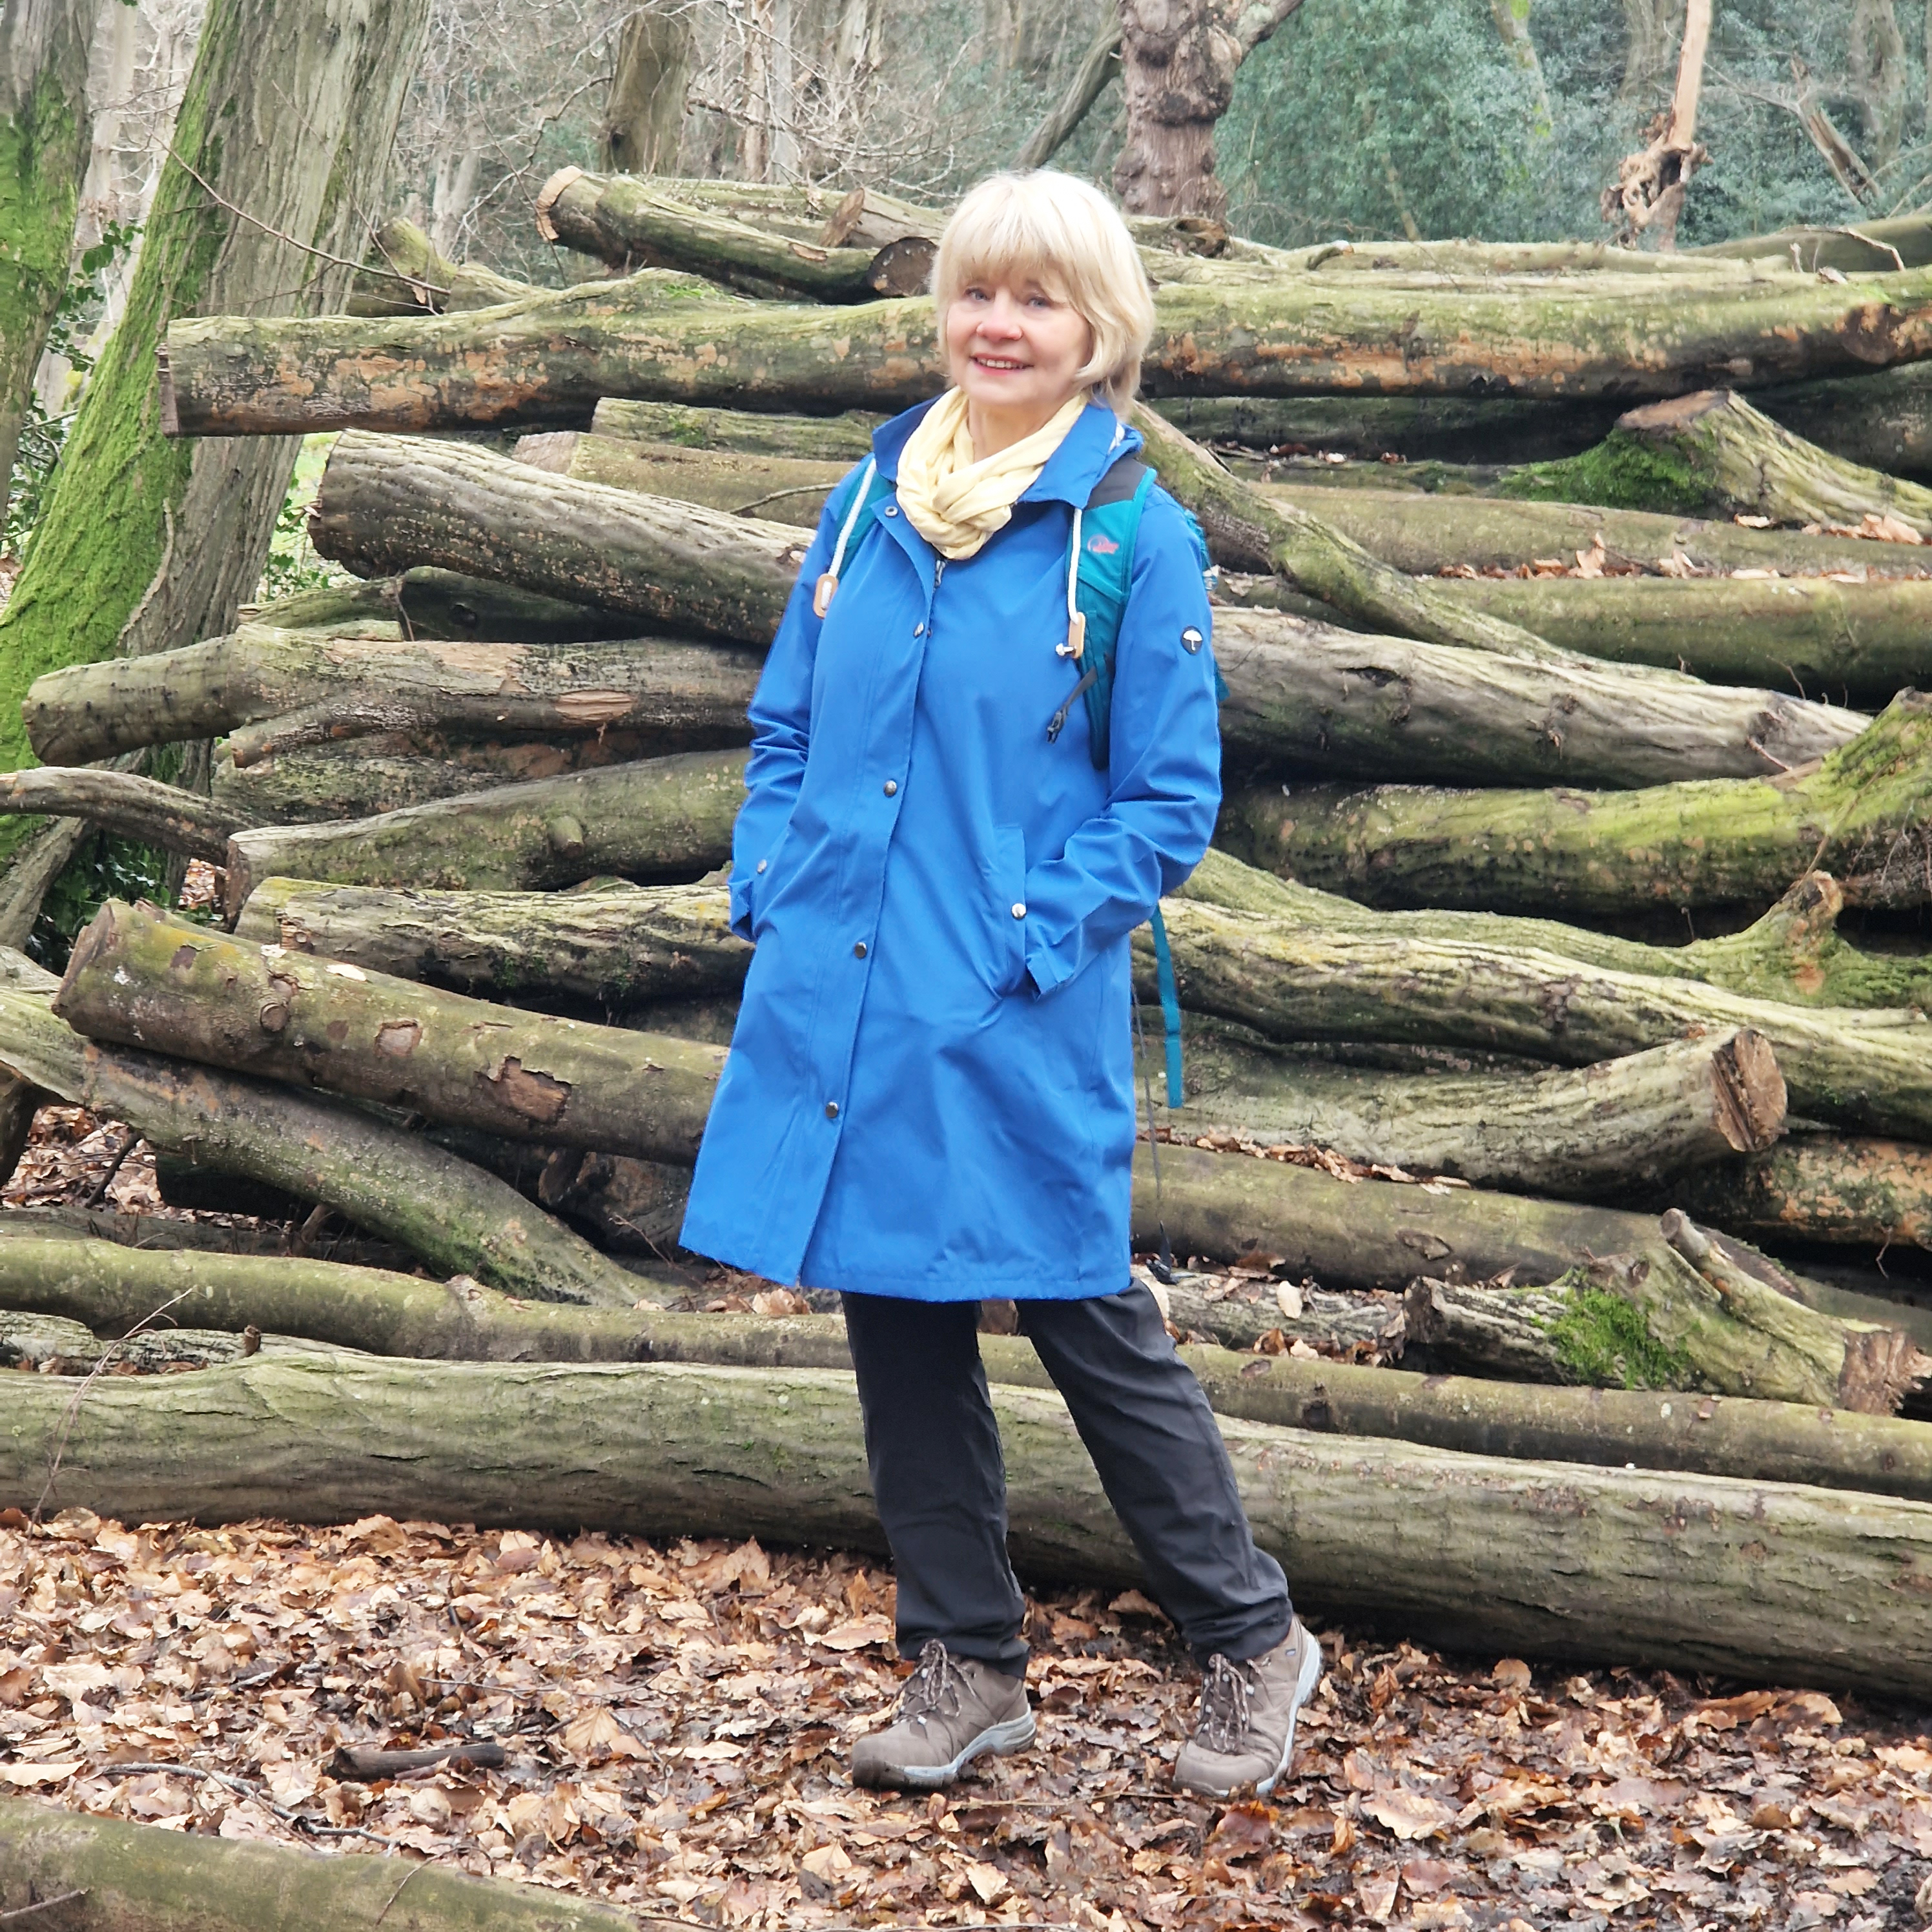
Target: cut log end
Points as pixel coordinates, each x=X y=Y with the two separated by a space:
x=1882 y=1368
x=1749 y=1092
x=1674 y=411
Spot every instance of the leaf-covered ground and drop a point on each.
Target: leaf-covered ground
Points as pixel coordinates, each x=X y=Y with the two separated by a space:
x=676 y=1721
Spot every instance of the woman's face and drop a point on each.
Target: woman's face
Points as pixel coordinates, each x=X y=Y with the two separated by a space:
x=1014 y=348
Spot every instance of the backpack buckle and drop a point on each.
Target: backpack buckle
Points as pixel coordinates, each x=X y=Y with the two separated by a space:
x=1075 y=645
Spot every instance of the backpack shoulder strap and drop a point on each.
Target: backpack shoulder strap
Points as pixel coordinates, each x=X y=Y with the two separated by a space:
x=861 y=513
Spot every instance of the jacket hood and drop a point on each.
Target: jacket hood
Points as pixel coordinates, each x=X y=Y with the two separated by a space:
x=1097 y=438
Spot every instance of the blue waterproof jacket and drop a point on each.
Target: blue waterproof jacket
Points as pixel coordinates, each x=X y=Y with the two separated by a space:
x=930 y=1091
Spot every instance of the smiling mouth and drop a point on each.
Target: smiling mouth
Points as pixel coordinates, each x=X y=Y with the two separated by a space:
x=1004 y=365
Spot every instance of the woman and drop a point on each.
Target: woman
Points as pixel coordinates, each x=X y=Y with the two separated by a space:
x=929 y=1096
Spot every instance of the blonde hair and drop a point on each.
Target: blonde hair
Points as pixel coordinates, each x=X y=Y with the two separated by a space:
x=1070 y=237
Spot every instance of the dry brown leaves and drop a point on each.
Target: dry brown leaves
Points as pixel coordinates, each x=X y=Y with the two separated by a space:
x=677 y=1721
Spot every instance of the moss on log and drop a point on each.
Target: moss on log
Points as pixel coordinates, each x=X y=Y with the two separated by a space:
x=659 y=817
x=632 y=223
x=1819 y=1187
x=74 y=1873
x=110 y=1289
x=1859 y=642
x=1864 y=812
x=138 y=978
x=453 y=1216
x=1423 y=534
x=845 y=438
x=784 y=489
x=404 y=274
x=1712 y=454
x=1693 y=1572
x=551 y=359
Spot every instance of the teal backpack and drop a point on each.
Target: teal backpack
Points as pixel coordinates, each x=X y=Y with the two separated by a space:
x=1100 y=573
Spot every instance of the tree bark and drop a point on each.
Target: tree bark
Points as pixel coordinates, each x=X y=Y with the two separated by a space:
x=645 y=114
x=121 y=802
x=44 y=151
x=405 y=274
x=1594 y=1133
x=110 y=1287
x=612 y=946
x=549 y=359
x=1712 y=454
x=1904 y=241
x=1819 y=1187
x=1865 y=1071
x=1689 y=1572
x=635 y=223
x=1862 y=812
x=137 y=978
x=147 y=542
x=386 y=504
x=454 y=1216
x=781 y=489
x=660 y=816
x=300 y=688
x=1650 y=184
x=1424 y=534
x=1859 y=642
x=121 y=1877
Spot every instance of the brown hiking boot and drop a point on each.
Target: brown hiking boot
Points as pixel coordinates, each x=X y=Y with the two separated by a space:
x=1246 y=1733
x=953 y=1708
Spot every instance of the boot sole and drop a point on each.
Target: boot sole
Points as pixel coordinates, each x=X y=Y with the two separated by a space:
x=1002 y=1740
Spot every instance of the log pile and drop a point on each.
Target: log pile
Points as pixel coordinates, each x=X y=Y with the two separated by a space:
x=1541 y=1116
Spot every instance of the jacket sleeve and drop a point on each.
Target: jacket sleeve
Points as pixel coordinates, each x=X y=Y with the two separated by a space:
x=1164 y=768
x=780 y=718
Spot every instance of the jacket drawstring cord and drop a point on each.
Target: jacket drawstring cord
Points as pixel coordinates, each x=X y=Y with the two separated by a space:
x=824 y=589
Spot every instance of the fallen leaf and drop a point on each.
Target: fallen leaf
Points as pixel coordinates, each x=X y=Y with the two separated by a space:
x=25 y=1774
x=988 y=1882
x=856 y=1634
x=1376 y=1892
x=595 y=1734
x=1130 y=1603
x=1241 y=1831
x=1511 y=1674
x=1408 y=1814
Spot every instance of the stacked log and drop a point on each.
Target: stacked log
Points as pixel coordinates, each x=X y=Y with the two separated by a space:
x=1459 y=1103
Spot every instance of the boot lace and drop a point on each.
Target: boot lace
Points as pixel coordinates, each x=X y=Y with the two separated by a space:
x=1224 y=1707
x=935 y=1687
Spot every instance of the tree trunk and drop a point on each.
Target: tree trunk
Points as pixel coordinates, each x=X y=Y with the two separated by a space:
x=611 y=945
x=404 y=274
x=645 y=115
x=550 y=360
x=660 y=816
x=137 y=978
x=844 y=439
x=1862 y=812
x=1859 y=642
x=1713 y=454
x=74 y=1873
x=1597 y=1132
x=275 y=691
x=1793 y=954
x=1692 y=1573
x=1178 y=65
x=1878 y=72
x=146 y=542
x=110 y=1288
x=1425 y=534
x=1512 y=19
x=1649 y=194
x=1100 y=64
x=457 y=1218
x=43 y=150
x=1819 y=1187
x=1868 y=1072
x=387 y=504
x=634 y=223
x=120 y=802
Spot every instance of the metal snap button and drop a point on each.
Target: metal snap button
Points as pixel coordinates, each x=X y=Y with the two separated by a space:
x=762 y=864
x=1192 y=639
x=859 y=951
x=891 y=788
x=1019 y=910
x=831 y=1110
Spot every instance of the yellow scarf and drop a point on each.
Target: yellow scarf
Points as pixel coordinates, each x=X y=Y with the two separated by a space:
x=955 y=503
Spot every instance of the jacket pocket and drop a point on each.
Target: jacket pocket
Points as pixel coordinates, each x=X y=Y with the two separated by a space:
x=1009 y=907
x=767 y=878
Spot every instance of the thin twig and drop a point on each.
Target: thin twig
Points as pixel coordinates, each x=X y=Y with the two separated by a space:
x=280 y=235
x=797 y=490
x=100 y=1193
x=45 y=1905
x=249 y=1788
x=394 y=1895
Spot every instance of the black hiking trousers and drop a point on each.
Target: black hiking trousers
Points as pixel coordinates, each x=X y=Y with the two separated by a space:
x=940 y=1481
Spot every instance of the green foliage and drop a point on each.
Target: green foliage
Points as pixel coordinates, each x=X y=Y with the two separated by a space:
x=1621 y=473
x=293 y=565
x=105 y=868
x=1602 y=1342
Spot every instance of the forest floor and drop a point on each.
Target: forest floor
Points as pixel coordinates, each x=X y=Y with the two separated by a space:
x=678 y=1719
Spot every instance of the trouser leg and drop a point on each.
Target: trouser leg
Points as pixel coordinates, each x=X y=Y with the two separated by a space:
x=938 y=1477
x=1165 y=1468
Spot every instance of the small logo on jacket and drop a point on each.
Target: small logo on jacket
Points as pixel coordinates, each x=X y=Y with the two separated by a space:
x=1101 y=546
